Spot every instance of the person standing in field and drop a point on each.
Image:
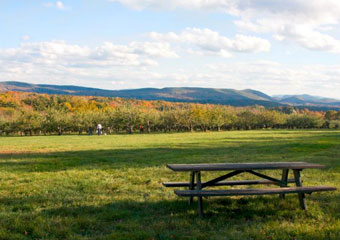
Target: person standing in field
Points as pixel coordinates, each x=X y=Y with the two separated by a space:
x=99 y=129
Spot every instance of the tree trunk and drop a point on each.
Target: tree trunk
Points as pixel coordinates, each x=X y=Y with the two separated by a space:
x=148 y=126
x=130 y=129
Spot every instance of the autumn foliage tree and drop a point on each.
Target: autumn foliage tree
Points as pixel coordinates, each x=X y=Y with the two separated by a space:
x=34 y=114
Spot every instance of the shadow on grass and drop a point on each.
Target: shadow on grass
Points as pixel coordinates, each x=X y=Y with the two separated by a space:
x=161 y=219
x=160 y=156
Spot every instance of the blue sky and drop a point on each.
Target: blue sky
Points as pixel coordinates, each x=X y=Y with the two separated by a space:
x=275 y=46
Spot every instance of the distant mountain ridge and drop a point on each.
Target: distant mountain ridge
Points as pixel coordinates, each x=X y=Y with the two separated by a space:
x=246 y=97
x=307 y=100
x=184 y=94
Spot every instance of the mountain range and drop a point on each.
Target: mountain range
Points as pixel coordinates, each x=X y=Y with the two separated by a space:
x=232 y=97
x=305 y=99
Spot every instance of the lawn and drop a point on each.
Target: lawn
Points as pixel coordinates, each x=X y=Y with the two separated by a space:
x=109 y=187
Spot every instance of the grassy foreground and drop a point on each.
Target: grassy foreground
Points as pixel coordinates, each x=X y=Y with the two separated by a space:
x=109 y=187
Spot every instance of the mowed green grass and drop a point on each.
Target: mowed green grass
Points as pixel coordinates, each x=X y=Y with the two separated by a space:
x=109 y=187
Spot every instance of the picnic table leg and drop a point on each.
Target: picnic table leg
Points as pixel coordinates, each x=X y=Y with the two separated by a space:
x=298 y=183
x=284 y=179
x=200 y=201
x=192 y=185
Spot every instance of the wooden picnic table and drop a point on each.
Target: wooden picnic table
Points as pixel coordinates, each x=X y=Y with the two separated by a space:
x=196 y=185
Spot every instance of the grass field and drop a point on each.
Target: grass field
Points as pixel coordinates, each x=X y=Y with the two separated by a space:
x=109 y=187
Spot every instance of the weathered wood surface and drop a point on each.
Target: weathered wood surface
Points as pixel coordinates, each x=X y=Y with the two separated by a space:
x=225 y=183
x=199 y=188
x=267 y=177
x=298 y=183
x=242 y=166
x=284 y=178
x=254 y=191
x=192 y=185
x=221 y=178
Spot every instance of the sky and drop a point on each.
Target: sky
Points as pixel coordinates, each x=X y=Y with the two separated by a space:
x=274 y=46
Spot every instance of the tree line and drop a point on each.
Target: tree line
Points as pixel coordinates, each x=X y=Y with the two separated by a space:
x=42 y=114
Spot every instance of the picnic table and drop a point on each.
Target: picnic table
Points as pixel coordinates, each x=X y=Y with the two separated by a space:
x=196 y=186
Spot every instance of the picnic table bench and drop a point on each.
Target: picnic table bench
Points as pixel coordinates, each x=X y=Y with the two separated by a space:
x=196 y=186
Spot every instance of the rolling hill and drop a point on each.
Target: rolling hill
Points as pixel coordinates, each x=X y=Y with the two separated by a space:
x=232 y=97
x=307 y=100
x=186 y=94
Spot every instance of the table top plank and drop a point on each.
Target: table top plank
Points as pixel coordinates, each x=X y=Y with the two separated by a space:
x=242 y=166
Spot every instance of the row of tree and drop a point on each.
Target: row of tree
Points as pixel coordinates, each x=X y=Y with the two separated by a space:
x=35 y=114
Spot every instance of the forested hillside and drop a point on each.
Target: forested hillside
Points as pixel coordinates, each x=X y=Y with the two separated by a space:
x=233 y=97
x=33 y=114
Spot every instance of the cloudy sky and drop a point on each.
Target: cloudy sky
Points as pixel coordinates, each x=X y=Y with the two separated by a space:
x=275 y=46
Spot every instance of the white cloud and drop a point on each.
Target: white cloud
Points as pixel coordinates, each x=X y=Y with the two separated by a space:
x=312 y=11
x=59 y=52
x=276 y=78
x=300 y=21
x=133 y=66
x=267 y=76
x=164 y=4
x=309 y=38
x=154 y=49
x=57 y=61
x=59 y=5
x=303 y=22
x=209 y=42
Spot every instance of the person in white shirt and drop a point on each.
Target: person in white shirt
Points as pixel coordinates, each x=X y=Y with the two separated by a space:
x=99 y=129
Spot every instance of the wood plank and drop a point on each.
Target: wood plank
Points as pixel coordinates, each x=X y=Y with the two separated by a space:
x=200 y=200
x=218 y=179
x=225 y=183
x=191 y=185
x=255 y=191
x=298 y=183
x=267 y=177
x=284 y=178
x=242 y=166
